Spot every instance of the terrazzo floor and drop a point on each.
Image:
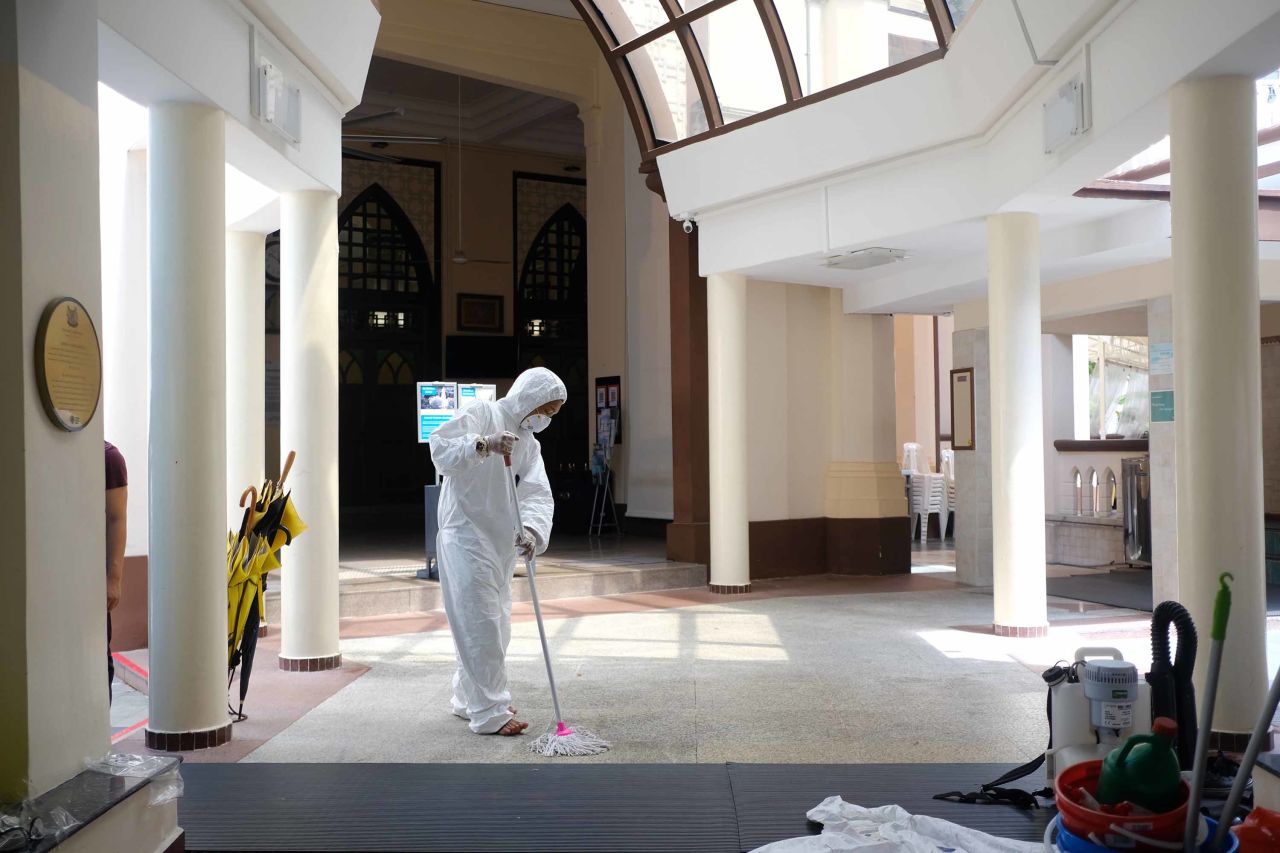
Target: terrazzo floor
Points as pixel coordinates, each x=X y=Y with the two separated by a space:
x=844 y=674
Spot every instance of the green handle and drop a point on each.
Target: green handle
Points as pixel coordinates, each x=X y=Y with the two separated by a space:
x=1131 y=743
x=1222 y=607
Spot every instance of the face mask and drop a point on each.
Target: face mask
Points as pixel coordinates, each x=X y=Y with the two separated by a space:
x=536 y=423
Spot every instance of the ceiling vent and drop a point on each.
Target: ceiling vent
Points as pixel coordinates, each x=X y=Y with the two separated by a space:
x=863 y=259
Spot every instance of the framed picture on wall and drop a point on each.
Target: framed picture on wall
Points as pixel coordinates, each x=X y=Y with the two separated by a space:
x=480 y=312
x=962 y=408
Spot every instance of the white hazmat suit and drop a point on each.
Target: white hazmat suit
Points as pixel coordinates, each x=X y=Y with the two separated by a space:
x=476 y=543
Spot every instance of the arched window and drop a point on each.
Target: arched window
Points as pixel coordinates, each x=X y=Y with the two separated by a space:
x=555 y=270
x=395 y=369
x=349 y=369
x=378 y=247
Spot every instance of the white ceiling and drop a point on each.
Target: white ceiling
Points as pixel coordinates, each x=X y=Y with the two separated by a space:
x=490 y=114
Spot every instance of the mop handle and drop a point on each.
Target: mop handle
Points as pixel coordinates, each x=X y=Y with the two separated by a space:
x=1246 y=765
x=1221 y=613
x=533 y=591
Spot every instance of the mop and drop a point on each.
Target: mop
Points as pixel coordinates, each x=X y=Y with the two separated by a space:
x=1221 y=613
x=559 y=740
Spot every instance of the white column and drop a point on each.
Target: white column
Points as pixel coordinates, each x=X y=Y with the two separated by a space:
x=1217 y=377
x=309 y=425
x=727 y=423
x=246 y=366
x=187 y=583
x=1017 y=424
x=125 y=359
x=1080 y=386
x=1163 y=452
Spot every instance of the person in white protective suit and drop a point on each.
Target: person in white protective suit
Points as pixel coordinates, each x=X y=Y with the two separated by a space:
x=477 y=544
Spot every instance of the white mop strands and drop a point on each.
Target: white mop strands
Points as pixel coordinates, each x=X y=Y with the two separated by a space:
x=560 y=741
x=564 y=742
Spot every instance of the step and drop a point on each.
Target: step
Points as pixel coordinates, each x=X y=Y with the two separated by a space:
x=365 y=593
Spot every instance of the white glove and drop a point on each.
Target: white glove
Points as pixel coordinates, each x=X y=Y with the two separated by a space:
x=526 y=543
x=502 y=443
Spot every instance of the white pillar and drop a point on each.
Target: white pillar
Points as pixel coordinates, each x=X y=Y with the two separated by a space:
x=1080 y=386
x=1162 y=455
x=246 y=366
x=1017 y=424
x=1217 y=377
x=727 y=422
x=125 y=359
x=309 y=425
x=187 y=584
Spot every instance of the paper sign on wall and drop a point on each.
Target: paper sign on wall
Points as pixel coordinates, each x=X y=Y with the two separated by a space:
x=437 y=403
x=470 y=393
x=1161 y=407
x=1160 y=359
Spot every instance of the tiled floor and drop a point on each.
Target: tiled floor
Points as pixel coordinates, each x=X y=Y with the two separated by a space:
x=816 y=669
x=845 y=669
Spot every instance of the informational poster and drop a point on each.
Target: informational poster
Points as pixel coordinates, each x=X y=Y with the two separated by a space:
x=437 y=403
x=1161 y=407
x=962 y=409
x=470 y=393
x=1161 y=359
x=608 y=409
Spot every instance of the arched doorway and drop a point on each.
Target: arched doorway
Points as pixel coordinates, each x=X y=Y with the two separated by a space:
x=551 y=331
x=389 y=334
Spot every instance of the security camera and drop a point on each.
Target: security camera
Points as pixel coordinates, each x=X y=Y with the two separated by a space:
x=688 y=226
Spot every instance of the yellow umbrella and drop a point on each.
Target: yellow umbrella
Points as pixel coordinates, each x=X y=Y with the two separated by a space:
x=270 y=522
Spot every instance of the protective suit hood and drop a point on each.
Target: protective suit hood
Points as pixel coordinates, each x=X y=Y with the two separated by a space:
x=532 y=389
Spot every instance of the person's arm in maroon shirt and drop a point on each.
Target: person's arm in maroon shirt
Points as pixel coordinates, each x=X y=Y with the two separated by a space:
x=117 y=518
x=117 y=503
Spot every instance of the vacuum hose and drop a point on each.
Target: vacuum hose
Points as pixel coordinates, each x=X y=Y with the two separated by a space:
x=1173 y=694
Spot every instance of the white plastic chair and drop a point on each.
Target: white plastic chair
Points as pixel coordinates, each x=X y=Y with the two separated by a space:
x=911 y=457
x=948 y=466
x=928 y=497
x=948 y=470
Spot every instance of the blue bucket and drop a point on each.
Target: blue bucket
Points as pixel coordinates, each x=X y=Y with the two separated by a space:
x=1071 y=843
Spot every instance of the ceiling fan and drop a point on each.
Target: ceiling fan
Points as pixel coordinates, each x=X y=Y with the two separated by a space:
x=380 y=140
x=460 y=256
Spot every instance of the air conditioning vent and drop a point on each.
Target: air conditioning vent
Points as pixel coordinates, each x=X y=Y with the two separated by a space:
x=862 y=259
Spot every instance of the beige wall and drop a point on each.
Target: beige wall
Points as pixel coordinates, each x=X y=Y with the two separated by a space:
x=915 y=406
x=53 y=714
x=822 y=395
x=790 y=375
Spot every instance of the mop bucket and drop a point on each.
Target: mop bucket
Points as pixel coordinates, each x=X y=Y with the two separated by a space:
x=1069 y=842
x=1083 y=822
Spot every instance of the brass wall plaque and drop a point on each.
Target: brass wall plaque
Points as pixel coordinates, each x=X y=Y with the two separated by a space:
x=68 y=364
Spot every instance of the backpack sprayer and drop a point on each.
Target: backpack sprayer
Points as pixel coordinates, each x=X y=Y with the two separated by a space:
x=1098 y=701
x=1095 y=704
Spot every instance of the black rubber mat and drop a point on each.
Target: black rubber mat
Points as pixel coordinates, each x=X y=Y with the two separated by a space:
x=772 y=799
x=616 y=807
x=422 y=807
x=1125 y=588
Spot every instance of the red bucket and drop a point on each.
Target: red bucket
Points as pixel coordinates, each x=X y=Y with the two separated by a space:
x=1085 y=822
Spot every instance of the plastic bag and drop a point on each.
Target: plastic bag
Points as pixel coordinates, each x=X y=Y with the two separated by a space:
x=163 y=771
x=24 y=827
x=132 y=766
x=166 y=787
